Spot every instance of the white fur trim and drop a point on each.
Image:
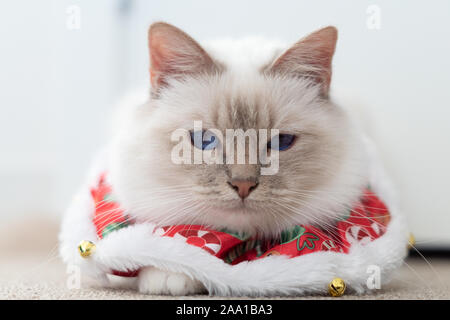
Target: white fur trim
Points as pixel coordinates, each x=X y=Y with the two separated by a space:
x=135 y=247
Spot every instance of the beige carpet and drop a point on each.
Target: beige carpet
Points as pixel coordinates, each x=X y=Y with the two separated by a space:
x=30 y=269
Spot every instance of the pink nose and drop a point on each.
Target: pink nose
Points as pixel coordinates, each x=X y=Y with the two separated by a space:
x=243 y=187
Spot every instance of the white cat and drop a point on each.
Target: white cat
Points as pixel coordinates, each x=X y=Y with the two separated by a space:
x=247 y=84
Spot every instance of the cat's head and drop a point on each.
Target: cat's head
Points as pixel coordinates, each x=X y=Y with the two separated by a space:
x=320 y=170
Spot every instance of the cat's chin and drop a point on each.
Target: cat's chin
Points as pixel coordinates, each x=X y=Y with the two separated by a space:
x=241 y=206
x=237 y=206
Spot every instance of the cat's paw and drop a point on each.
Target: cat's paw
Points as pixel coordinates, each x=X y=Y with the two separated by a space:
x=156 y=281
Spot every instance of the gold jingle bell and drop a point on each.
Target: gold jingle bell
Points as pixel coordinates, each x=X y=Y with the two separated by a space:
x=86 y=248
x=336 y=288
x=411 y=241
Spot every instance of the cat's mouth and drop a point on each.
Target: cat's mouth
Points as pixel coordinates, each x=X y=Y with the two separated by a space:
x=239 y=205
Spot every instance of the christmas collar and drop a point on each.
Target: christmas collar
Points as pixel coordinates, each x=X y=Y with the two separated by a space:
x=366 y=221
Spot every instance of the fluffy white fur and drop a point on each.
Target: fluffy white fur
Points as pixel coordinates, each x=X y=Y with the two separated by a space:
x=138 y=161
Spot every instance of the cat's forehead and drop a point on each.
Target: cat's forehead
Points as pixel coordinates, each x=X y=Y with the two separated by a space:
x=238 y=101
x=260 y=103
x=242 y=112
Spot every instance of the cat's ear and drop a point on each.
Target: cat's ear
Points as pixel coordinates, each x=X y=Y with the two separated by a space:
x=310 y=57
x=174 y=54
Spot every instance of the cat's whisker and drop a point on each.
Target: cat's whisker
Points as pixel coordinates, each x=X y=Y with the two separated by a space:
x=319 y=222
x=349 y=209
x=102 y=218
x=325 y=224
x=175 y=211
x=343 y=204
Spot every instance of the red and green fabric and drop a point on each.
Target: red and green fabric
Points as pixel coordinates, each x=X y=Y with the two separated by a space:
x=109 y=216
x=366 y=221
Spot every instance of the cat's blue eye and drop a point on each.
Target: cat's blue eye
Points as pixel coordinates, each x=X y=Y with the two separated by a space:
x=204 y=140
x=285 y=141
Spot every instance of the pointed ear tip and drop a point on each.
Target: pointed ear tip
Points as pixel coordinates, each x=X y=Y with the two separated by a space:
x=331 y=28
x=154 y=27
x=159 y=25
x=332 y=31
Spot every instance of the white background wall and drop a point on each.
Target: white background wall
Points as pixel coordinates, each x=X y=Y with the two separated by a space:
x=57 y=86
